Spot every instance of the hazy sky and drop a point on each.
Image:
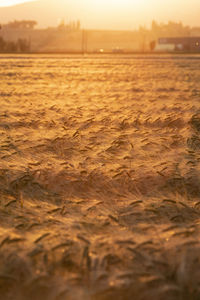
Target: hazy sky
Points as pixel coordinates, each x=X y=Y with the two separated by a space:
x=117 y=13
x=11 y=2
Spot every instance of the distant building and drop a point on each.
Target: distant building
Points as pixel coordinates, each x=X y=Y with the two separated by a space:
x=188 y=44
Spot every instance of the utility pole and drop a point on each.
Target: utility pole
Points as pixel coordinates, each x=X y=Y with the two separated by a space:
x=84 y=42
x=29 y=44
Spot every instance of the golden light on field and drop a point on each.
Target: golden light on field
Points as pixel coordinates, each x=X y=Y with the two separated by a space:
x=99 y=177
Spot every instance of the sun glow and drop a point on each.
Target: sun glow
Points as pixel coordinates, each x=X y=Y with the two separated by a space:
x=116 y=13
x=116 y=4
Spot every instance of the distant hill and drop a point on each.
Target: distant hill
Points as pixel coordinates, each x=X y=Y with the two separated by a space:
x=45 y=12
x=50 y=12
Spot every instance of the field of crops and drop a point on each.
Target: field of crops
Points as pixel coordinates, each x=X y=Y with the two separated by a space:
x=99 y=177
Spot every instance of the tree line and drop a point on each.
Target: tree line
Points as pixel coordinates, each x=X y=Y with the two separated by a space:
x=170 y=29
x=20 y=46
x=30 y=24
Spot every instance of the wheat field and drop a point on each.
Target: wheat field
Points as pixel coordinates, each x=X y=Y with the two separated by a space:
x=99 y=177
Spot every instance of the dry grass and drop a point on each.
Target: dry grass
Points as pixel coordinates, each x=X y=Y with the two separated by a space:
x=99 y=178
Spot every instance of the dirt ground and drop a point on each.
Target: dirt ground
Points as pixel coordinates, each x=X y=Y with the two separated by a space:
x=99 y=177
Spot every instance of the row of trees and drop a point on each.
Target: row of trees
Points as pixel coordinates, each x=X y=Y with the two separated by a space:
x=157 y=29
x=170 y=29
x=30 y=24
x=23 y=24
x=71 y=26
x=20 y=46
